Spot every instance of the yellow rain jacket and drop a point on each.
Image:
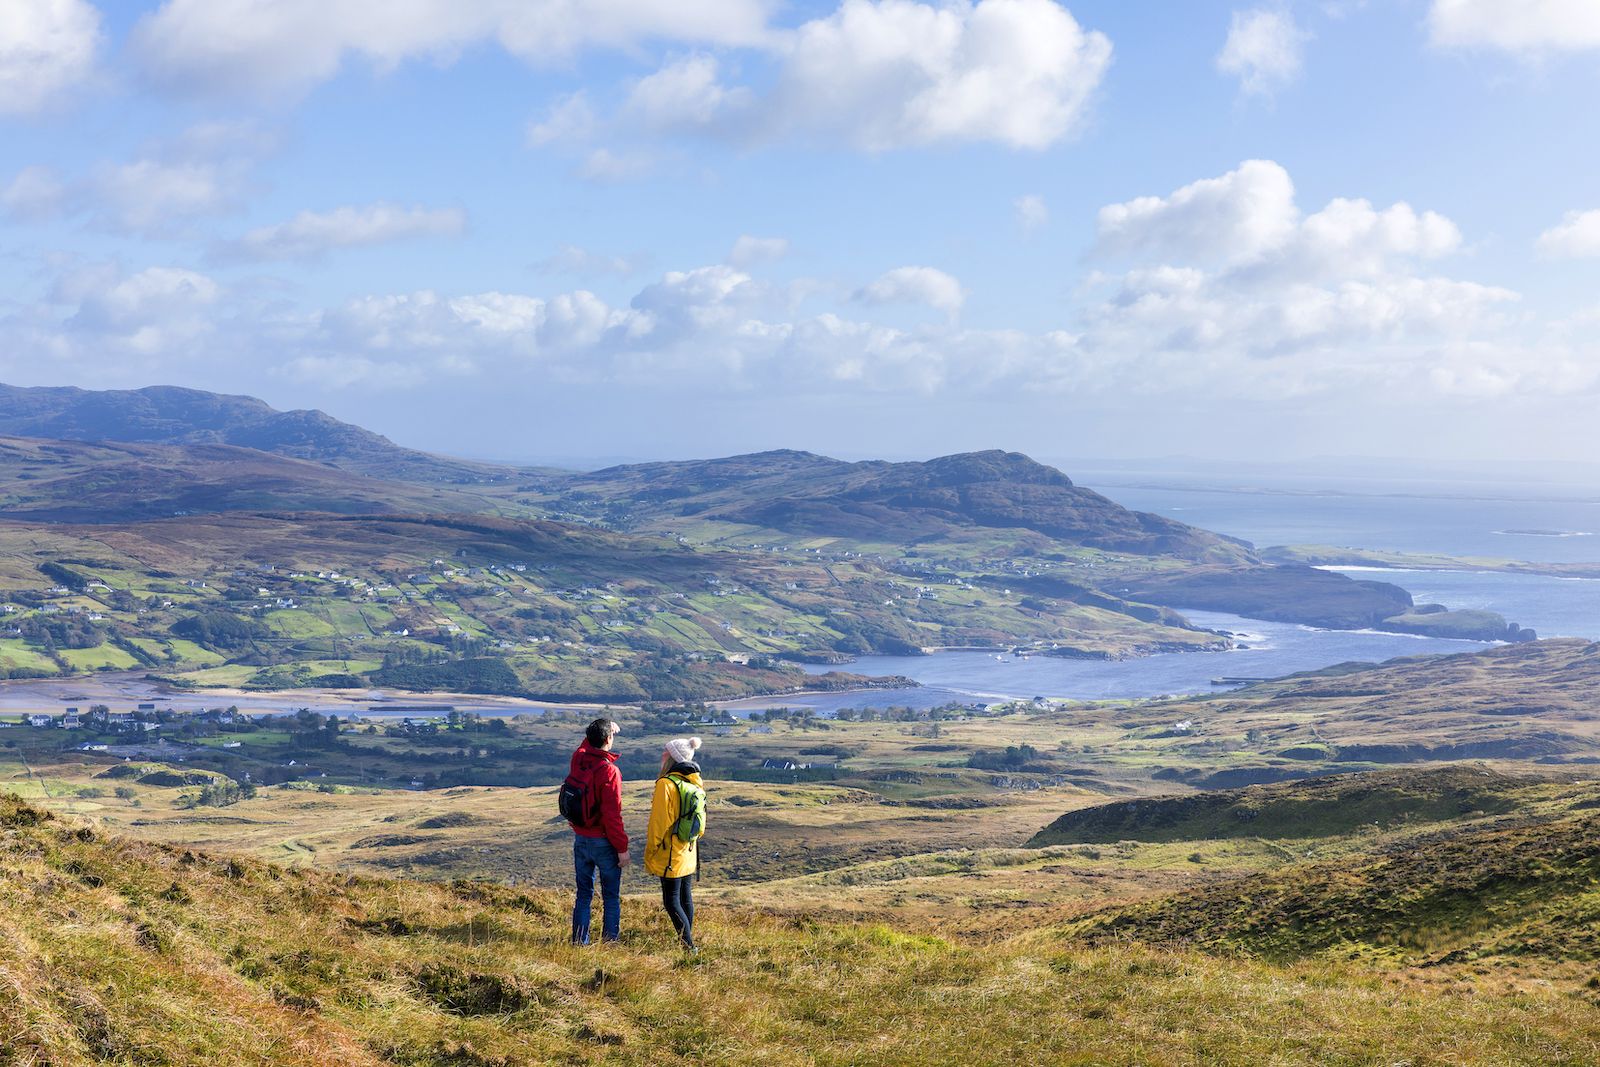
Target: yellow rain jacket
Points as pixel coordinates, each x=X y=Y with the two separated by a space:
x=664 y=855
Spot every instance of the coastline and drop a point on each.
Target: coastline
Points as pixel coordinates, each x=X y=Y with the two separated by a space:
x=1327 y=557
x=105 y=687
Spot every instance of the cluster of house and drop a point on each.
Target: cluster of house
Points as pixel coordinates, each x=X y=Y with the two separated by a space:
x=50 y=609
x=140 y=721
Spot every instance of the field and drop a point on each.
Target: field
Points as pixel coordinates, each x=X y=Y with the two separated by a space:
x=1062 y=883
x=890 y=806
x=556 y=613
x=1362 y=865
x=220 y=565
x=172 y=955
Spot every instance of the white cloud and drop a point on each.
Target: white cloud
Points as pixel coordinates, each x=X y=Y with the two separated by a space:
x=1264 y=50
x=46 y=47
x=35 y=193
x=1207 y=304
x=1231 y=283
x=686 y=94
x=885 y=74
x=288 y=46
x=570 y=118
x=1577 y=236
x=1232 y=218
x=1248 y=220
x=879 y=74
x=916 y=285
x=203 y=171
x=1323 y=330
x=153 y=196
x=1521 y=26
x=571 y=259
x=1032 y=212
x=609 y=165
x=1351 y=238
x=311 y=235
x=138 y=297
x=876 y=75
x=103 y=324
x=747 y=251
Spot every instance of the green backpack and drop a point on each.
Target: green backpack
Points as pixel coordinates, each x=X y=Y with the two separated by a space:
x=691 y=809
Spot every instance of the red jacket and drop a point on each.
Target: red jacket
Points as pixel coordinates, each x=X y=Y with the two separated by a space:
x=599 y=769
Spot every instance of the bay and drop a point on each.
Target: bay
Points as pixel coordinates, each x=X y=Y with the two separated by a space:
x=1363 y=515
x=1271 y=649
x=1555 y=607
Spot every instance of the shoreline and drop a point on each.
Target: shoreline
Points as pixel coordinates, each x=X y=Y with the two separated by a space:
x=22 y=695
x=1328 y=557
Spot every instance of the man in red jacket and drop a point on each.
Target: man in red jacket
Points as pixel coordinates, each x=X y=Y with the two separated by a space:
x=599 y=844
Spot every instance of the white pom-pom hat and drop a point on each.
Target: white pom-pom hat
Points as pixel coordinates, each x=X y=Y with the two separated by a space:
x=682 y=749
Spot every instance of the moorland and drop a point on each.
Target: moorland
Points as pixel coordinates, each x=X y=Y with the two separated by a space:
x=213 y=541
x=1046 y=881
x=1390 y=863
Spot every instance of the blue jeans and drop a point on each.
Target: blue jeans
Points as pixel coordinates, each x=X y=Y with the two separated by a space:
x=591 y=854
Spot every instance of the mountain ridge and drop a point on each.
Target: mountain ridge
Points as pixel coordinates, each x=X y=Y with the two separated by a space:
x=175 y=415
x=877 y=500
x=791 y=490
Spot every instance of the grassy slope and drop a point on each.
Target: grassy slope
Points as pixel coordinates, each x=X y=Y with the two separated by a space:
x=71 y=481
x=1320 y=807
x=1518 y=887
x=606 y=593
x=773 y=554
x=112 y=951
x=1513 y=702
x=900 y=791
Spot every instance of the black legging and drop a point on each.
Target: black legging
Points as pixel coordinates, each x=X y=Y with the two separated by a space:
x=679 y=902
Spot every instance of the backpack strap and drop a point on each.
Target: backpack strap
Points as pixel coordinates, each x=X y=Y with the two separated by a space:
x=672 y=827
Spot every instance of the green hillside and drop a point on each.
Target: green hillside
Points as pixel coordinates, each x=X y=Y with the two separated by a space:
x=1517 y=889
x=1310 y=808
x=113 y=951
x=576 y=612
x=873 y=502
x=216 y=541
x=173 y=415
x=57 y=481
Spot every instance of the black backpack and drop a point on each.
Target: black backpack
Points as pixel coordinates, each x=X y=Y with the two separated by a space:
x=579 y=804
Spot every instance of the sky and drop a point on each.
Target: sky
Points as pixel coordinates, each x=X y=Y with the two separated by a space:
x=591 y=229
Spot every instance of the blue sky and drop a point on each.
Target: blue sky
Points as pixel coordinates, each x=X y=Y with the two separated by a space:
x=592 y=228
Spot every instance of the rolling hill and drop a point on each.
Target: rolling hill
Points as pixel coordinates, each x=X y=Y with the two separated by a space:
x=115 y=951
x=606 y=585
x=877 y=502
x=1315 y=807
x=172 y=415
x=1518 y=887
x=66 y=481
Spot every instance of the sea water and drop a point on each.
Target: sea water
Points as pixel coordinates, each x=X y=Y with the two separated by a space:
x=1490 y=521
x=1269 y=649
x=1496 y=524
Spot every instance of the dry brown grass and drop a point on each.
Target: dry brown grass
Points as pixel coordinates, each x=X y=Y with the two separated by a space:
x=125 y=952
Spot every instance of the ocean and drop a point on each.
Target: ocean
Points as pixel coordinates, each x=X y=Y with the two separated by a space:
x=1458 y=520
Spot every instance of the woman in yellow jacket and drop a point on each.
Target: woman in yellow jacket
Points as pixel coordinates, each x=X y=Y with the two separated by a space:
x=666 y=854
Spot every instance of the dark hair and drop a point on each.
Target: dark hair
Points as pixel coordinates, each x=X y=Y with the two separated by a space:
x=599 y=732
